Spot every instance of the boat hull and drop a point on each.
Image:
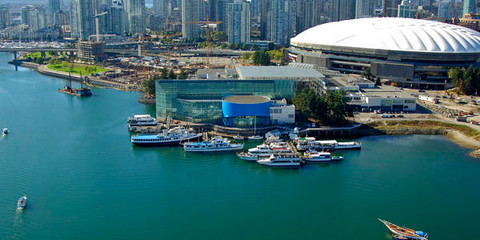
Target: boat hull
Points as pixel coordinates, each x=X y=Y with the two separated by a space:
x=176 y=142
x=213 y=150
x=280 y=165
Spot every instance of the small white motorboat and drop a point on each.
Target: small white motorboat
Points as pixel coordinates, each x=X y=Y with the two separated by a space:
x=238 y=137
x=255 y=138
x=22 y=203
x=5 y=131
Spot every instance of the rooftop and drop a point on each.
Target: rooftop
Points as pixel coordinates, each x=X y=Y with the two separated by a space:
x=246 y=99
x=277 y=73
x=391 y=34
x=386 y=92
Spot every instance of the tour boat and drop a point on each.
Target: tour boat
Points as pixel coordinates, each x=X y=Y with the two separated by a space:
x=310 y=143
x=281 y=160
x=174 y=136
x=142 y=120
x=217 y=144
x=253 y=157
x=5 y=131
x=314 y=156
x=403 y=232
x=21 y=203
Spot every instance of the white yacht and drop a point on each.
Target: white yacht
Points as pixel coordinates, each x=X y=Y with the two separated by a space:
x=217 y=144
x=314 y=156
x=281 y=160
x=142 y=120
x=174 y=136
x=253 y=157
x=269 y=149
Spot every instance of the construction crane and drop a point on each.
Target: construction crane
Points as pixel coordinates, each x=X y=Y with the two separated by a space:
x=207 y=33
x=97 y=27
x=141 y=50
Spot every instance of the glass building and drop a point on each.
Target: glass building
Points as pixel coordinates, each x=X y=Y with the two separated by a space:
x=201 y=100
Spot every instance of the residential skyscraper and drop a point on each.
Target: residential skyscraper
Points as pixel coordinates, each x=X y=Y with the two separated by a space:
x=307 y=15
x=444 y=8
x=405 y=10
x=116 y=19
x=468 y=6
x=82 y=22
x=221 y=9
x=52 y=7
x=389 y=8
x=161 y=7
x=136 y=15
x=283 y=21
x=342 y=10
x=192 y=11
x=4 y=17
x=239 y=22
x=365 y=8
x=34 y=17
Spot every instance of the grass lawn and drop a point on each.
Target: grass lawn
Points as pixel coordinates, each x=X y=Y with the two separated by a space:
x=84 y=70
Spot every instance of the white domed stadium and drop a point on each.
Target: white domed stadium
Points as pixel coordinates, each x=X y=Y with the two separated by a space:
x=411 y=52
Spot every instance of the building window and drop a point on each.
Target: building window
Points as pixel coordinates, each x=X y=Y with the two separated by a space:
x=291 y=115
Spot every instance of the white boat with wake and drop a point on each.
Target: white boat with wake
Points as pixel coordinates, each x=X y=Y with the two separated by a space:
x=22 y=203
x=286 y=160
x=174 y=136
x=217 y=144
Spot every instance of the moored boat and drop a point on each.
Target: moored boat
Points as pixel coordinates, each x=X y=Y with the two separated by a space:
x=5 y=131
x=217 y=144
x=22 y=203
x=255 y=138
x=403 y=232
x=269 y=149
x=287 y=160
x=253 y=157
x=142 y=120
x=322 y=145
x=238 y=137
x=314 y=156
x=174 y=136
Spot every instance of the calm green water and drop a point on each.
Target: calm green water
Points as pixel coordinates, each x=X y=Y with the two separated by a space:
x=73 y=158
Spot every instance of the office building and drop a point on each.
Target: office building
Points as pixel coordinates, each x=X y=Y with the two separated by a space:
x=82 y=22
x=390 y=8
x=342 y=10
x=283 y=21
x=307 y=15
x=365 y=8
x=192 y=12
x=468 y=6
x=405 y=10
x=116 y=19
x=4 y=17
x=52 y=7
x=238 y=22
x=136 y=15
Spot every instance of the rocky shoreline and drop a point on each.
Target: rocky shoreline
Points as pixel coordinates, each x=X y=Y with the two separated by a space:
x=459 y=134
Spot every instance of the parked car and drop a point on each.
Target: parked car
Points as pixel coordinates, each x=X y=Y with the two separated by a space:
x=385 y=116
x=400 y=116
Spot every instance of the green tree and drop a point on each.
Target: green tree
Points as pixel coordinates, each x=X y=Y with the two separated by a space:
x=149 y=85
x=171 y=74
x=164 y=73
x=378 y=82
x=261 y=58
x=367 y=73
x=183 y=74
x=246 y=55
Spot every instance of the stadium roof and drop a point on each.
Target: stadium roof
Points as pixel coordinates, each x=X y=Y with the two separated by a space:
x=392 y=34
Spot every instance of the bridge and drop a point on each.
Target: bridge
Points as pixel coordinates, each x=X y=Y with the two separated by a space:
x=38 y=49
